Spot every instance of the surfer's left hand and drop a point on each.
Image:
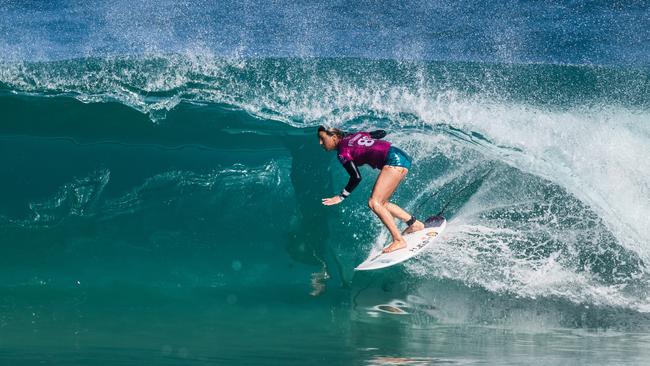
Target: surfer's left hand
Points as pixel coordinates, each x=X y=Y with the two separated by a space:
x=332 y=200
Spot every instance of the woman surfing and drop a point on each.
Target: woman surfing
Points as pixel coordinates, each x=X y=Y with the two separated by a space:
x=361 y=148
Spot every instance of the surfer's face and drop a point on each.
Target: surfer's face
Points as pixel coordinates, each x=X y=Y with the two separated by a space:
x=328 y=142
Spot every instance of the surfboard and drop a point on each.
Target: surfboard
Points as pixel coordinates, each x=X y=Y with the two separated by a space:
x=415 y=243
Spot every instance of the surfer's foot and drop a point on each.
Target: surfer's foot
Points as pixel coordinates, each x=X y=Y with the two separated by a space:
x=417 y=226
x=395 y=245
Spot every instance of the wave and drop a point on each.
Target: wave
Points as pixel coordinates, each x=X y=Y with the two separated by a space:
x=562 y=215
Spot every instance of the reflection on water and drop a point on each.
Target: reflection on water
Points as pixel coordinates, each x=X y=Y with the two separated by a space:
x=414 y=361
x=83 y=326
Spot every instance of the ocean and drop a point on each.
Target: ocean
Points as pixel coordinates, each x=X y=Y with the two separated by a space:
x=160 y=200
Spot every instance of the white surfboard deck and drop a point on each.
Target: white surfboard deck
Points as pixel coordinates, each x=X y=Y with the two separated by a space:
x=415 y=243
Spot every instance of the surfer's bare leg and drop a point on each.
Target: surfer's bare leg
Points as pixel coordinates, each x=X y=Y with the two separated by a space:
x=388 y=180
x=399 y=213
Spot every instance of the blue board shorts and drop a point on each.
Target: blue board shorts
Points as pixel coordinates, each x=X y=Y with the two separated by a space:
x=397 y=157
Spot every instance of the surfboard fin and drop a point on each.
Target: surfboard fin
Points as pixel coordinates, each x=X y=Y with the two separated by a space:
x=434 y=221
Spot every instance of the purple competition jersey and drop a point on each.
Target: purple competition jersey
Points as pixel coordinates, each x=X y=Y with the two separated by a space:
x=363 y=149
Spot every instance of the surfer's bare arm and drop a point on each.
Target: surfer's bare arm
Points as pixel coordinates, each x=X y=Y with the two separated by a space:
x=353 y=182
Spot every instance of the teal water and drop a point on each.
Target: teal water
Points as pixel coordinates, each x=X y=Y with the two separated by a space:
x=188 y=330
x=160 y=200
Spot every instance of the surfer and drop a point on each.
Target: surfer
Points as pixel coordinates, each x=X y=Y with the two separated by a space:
x=356 y=149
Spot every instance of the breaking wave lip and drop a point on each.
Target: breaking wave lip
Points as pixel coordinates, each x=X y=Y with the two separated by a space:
x=311 y=91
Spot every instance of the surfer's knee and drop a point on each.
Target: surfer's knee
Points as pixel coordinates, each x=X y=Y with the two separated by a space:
x=375 y=203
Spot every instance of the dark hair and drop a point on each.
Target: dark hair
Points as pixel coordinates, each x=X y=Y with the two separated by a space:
x=331 y=131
